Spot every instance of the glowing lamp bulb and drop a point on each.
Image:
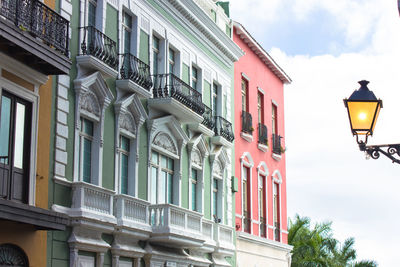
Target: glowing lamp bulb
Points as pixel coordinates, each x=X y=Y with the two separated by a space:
x=362 y=116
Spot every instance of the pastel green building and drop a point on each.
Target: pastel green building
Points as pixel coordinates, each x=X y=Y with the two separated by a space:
x=142 y=158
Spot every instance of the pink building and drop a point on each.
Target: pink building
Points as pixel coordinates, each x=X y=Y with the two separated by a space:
x=261 y=214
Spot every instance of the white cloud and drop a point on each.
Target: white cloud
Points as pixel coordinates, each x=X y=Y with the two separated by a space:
x=328 y=177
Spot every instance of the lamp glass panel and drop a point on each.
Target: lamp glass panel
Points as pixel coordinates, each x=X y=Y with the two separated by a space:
x=362 y=116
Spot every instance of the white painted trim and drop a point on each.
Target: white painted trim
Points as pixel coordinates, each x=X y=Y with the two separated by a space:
x=33 y=98
x=247 y=78
x=274 y=102
x=263 y=241
x=249 y=165
x=260 y=90
x=246 y=136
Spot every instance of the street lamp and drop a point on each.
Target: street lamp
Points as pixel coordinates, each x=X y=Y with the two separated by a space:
x=363 y=109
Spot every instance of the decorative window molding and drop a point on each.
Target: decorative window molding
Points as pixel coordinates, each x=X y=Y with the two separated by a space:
x=197 y=151
x=129 y=117
x=246 y=161
x=277 y=179
x=262 y=173
x=165 y=135
x=92 y=97
x=219 y=162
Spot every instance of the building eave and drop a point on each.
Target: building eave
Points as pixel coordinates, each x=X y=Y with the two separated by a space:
x=261 y=53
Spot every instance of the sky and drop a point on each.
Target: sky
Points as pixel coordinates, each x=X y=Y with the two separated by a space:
x=326 y=47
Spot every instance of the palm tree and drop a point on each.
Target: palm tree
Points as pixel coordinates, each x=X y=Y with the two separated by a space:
x=316 y=247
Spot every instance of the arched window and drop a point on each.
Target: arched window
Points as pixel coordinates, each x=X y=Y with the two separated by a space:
x=219 y=163
x=12 y=255
x=262 y=199
x=92 y=98
x=130 y=115
x=246 y=164
x=276 y=202
x=166 y=139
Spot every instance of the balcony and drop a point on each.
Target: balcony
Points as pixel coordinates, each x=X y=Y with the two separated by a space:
x=173 y=96
x=135 y=76
x=175 y=226
x=262 y=137
x=223 y=132
x=276 y=146
x=36 y=35
x=263 y=227
x=223 y=235
x=132 y=214
x=207 y=125
x=277 y=232
x=247 y=223
x=92 y=202
x=98 y=52
x=247 y=126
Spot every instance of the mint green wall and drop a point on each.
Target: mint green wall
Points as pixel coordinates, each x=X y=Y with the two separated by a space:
x=185 y=73
x=207 y=93
x=144 y=47
x=111 y=29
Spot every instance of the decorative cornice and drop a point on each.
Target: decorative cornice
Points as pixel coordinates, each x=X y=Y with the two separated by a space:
x=261 y=53
x=263 y=241
x=200 y=20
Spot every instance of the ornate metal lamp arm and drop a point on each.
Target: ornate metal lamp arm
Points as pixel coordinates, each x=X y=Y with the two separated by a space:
x=392 y=151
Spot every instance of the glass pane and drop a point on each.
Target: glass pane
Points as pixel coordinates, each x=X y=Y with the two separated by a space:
x=124 y=143
x=127 y=41
x=153 y=193
x=156 y=42
x=215 y=200
x=154 y=157
x=87 y=127
x=171 y=55
x=170 y=188
x=92 y=14
x=155 y=62
x=164 y=161
x=162 y=187
x=124 y=174
x=194 y=197
x=194 y=174
x=19 y=135
x=128 y=20
x=5 y=128
x=170 y=164
x=87 y=160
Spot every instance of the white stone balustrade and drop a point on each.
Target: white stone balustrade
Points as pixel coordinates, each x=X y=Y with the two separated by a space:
x=208 y=231
x=128 y=208
x=89 y=199
x=223 y=235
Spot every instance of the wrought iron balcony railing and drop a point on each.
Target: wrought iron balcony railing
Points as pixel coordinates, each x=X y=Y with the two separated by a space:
x=247 y=124
x=136 y=70
x=39 y=20
x=277 y=232
x=262 y=134
x=223 y=128
x=263 y=227
x=246 y=222
x=208 y=121
x=99 y=45
x=168 y=85
x=276 y=144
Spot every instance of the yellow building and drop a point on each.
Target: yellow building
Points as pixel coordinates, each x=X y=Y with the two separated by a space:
x=33 y=45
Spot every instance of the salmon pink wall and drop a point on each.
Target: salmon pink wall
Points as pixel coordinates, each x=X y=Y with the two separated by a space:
x=259 y=76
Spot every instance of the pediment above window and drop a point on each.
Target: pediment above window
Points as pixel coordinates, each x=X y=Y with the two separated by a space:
x=90 y=106
x=131 y=114
x=165 y=141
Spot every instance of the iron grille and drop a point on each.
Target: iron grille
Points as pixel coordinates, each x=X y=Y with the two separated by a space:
x=135 y=70
x=263 y=227
x=208 y=120
x=224 y=128
x=99 y=45
x=262 y=134
x=277 y=232
x=276 y=144
x=39 y=20
x=247 y=124
x=246 y=222
x=168 y=85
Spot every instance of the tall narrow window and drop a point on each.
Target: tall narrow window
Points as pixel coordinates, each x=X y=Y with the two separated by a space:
x=194 y=190
x=274 y=119
x=92 y=13
x=215 y=99
x=162 y=172
x=244 y=94
x=215 y=198
x=262 y=205
x=171 y=61
x=276 y=211
x=156 y=51
x=85 y=140
x=15 y=131
x=260 y=107
x=127 y=30
x=194 y=77
x=246 y=199
x=124 y=145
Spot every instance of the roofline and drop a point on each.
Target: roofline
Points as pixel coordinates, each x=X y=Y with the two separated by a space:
x=261 y=53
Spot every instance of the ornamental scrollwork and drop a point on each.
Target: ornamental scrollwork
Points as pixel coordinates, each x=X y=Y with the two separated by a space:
x=165 y=141
x=391 y=151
